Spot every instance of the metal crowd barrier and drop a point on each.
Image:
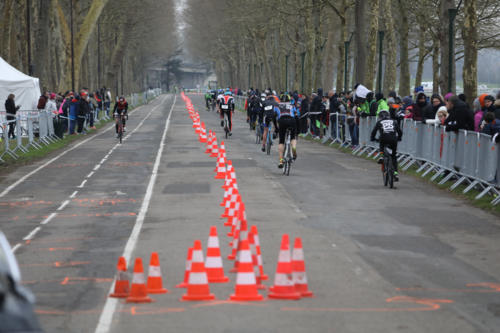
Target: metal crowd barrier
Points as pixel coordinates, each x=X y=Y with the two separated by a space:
x=35 y=128
x=466 y=157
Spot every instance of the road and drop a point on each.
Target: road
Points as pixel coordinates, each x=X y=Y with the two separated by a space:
x=413 y=259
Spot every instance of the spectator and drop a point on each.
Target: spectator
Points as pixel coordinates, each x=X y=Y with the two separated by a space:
x=83 y=111
x=93 y=107
x=304 y=113
x=492 y=125
x=11 y=109
x=436 y=103
x=51 y=105
x=457 y=118
x=315 y=112
x=381 y=103
x=478 y=114
x=421 y=109
x=441 y=115
x=74 y=110
x=334 y=109
x=489 y=106
x=42 y=101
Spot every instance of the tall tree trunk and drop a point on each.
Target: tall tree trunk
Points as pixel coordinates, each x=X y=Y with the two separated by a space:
x=41 y=41
x=435 y=65
x=443 y=39
x=6 y=30
x=421 y=57
x=360 y=40
x=390 y=49
x=318 y=47
x=469 y=34
x=371 y=42
x=329 y=52
x=404 y=63
x=339 y=84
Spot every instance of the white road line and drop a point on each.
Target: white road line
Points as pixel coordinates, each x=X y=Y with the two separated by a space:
x=82 y=184
x=90 y=174
x=64 y=204
x=104 y=324
x=32 y=233
x=22 y=179
x=49 y=218
x=73 y=195
x=97 y=167
x=16 y=247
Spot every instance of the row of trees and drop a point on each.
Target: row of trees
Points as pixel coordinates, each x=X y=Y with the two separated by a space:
x=114 y=41
x=301 y=44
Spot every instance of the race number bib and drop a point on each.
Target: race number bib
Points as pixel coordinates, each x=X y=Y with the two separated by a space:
x=268 y=107
x=387 y=126
x=225 y=107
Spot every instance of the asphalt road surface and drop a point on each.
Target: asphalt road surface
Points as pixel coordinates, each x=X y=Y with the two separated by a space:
x=413 y=259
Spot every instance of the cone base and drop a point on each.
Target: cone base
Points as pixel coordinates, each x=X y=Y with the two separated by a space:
x=307 y=294
x=119 y=295
x=257 y=297
x=294 y=296
x=213 y=155
x=158 y=291
x=219 y=176
x=138 y=300
x=222 y=279
x=181 y=285
x=208 y=297
x=231 y=257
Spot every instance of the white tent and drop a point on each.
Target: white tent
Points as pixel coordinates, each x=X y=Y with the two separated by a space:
x=26 y=88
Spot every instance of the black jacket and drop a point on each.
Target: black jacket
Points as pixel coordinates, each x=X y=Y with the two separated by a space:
x=10 y=106
x=84 y=108
x=388 y=129
x=457 y=118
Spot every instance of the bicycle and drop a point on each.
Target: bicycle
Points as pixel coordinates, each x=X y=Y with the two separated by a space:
x=226 y=124
x=213 y=104
x=388 y=168
x=258 y=133
x=119 y=123
x=269 y=139
x=287 y=155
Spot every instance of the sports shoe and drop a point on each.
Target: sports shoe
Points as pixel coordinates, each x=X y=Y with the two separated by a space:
x=263 y=148
x=230 y=133
x=281 y=163
x=396 y=178
x=294 y=153
x=222 y=123
x=380 y=160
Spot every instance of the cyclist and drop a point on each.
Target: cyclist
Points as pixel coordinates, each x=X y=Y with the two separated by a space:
x=253 y=109
x=287 y=118
x=227 y=107
x=121 y=107
x=270 y=110
x=390 y=134
x=208 y=99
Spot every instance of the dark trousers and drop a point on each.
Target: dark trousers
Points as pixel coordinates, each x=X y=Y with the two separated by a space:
x=12 y=127
x=81 y=121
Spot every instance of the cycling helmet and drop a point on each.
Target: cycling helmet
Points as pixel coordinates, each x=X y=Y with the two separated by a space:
x=384 y=114
x=227 y=93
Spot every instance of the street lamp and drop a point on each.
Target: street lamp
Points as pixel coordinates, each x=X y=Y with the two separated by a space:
x=28 y=36
x=347 y=43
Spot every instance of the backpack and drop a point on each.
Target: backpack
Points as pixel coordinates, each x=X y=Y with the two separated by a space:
x=41 y=103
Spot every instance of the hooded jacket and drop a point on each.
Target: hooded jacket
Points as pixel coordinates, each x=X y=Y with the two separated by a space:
x=422 y=111
x=457 y=118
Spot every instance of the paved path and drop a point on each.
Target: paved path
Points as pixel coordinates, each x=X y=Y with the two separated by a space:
x=407 y=260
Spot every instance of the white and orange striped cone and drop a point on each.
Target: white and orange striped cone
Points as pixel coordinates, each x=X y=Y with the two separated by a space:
x=222 y=153
x=203 y=134
x=283 y=287
x=184 y=283
x=261 y=275
x=253 y=250
x=155 y=281
x=230 y=203
x=138 y=290
x=122 y=287
x=246 y=286
x=213 y=262
x=299 y=276
x=242 y=231
x=221 y=167
x=198 y=288
x=215 y=148
x=209 y=143
x=232 y=215
x=231 y=177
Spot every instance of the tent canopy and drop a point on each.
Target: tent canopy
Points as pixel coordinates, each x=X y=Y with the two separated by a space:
x=24 y=87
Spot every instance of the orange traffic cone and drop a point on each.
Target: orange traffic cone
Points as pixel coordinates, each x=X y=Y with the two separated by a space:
x=283 y=286
x=121 y=284
x=242 y=234
x=255 y=234
x=246 y=286
x=203 y=133
x=155 y=282
x=138 y=290
x=221 y=167
x=299 y=269
x=197 y=288
x=215 y=148
x=253 y=250
x=184 y=283
x=221 y=154
x=209 y=143
x=213 y=262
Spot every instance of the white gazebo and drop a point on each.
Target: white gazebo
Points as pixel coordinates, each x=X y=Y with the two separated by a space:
x=24 y=87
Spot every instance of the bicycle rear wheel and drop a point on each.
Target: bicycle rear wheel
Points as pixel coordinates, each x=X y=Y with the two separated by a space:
x=390 y=174
x=385 y=173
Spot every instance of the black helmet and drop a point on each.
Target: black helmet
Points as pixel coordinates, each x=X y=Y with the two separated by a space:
x=384 y=114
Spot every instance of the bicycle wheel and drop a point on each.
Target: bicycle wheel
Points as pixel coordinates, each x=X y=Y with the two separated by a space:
x=385 y=173
x=289 y=166
x=120 y=133
x=269 y=143
x=390 y=173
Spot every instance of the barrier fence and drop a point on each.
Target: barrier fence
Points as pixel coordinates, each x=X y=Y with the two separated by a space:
x=34 y=129
x=465 y=157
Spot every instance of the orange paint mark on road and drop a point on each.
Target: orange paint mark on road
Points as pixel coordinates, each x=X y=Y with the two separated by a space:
x=75 y=280
x=58 y=264
x=428 y=304
x=61 y=240
x=494 y=286
x=25 y=204
x=69 y=216
x=490 y=288
x=223 y=302
x=89 y=202
x=54 y=249
x=128 y=164
x=141 y=311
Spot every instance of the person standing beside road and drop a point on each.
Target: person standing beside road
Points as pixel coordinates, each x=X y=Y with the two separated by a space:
x=11 y=110
x=457 y=118
x=83 y=111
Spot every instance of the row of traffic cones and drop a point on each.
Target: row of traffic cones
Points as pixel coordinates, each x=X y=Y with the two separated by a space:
x=290 y=279
x=138 y=291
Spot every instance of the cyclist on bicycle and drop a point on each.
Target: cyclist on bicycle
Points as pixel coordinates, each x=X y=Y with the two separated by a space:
x=227 y=107
x=208 y=99
x=121 y=107
x=270 y=110
x=287 y=118
x=390 y=134
x=254 y=107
